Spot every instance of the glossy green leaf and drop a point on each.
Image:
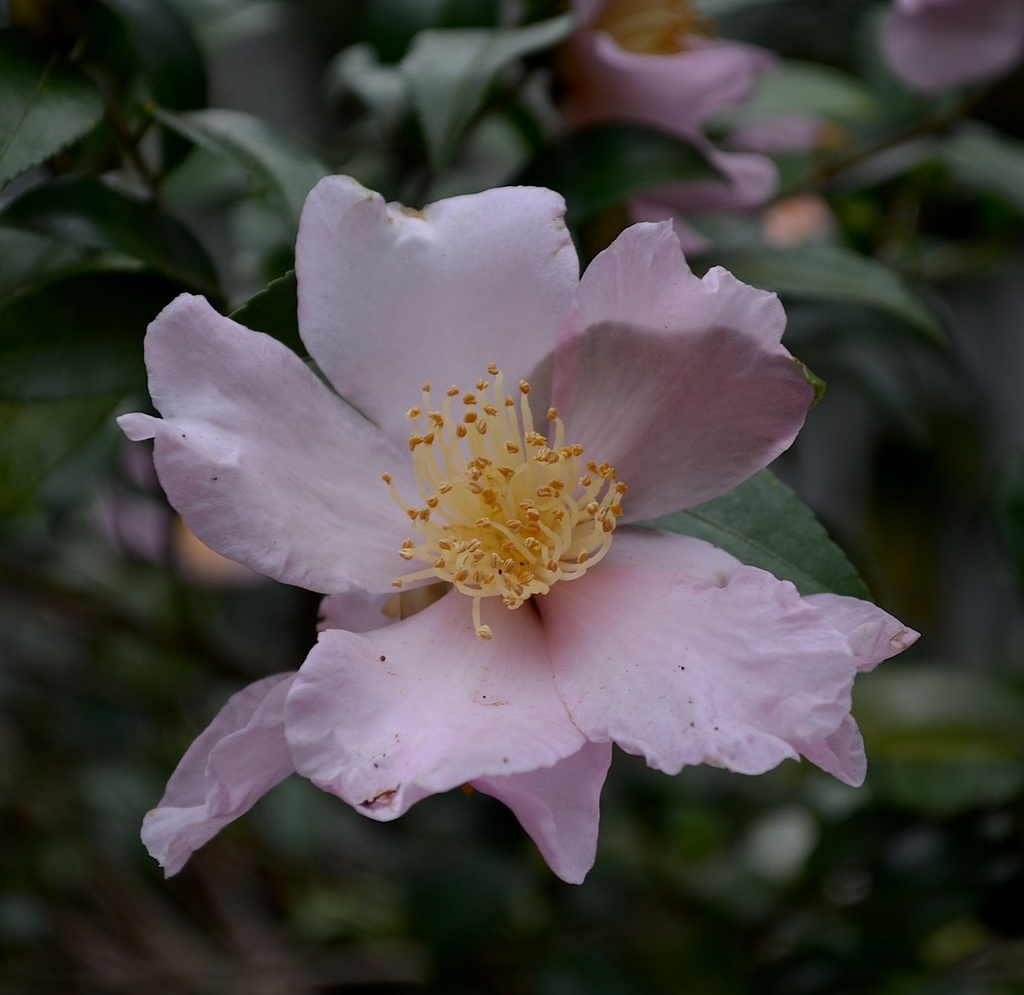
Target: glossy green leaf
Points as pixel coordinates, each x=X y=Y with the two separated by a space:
x=28 y=257
x=927 y=712
x=281 y=169
x=831 y=273
x=1009 y=509
x=982 y=159
x=450 y=71
x=43 y=108
x=942 y=790
x=51 y=448
x=91 y=214
x=169 y=57
x=381 y=87
x=274 y=311
x=600 y=167
x=794 y=87
x=762 y=522
x=79 y=335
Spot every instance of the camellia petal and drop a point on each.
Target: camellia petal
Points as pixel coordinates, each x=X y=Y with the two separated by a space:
x=463 y=283
x=681 y=384
x=685 y=669
x=382 y=719
x=841 y=754
x=241 y=755
x=873 y=636
x=934 y=45
x=559 y=807
x=675 y=92
x=748 y=180
x=265 y=465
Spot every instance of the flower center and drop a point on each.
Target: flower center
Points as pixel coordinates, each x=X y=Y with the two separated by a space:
x=508 y=511
x=654 y=27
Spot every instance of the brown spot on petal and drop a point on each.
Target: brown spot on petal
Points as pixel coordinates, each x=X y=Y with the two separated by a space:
x=381 y=797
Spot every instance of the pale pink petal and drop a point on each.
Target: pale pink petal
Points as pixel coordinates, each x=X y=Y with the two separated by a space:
x=390 y=297
x=691 y=241
x=938 y=45
x=263 y=462
x=874 y=635
x=384 y=718
x=357 y=611
x=586 y=10
x=559 y=807
x=240 y=756
x=681 y=384
x=777 y=135
x=687 y=669
x=675 y=93
x=748 y=180
x=841 y=754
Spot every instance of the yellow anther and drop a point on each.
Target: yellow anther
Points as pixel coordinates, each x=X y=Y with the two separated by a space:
x=506 y=514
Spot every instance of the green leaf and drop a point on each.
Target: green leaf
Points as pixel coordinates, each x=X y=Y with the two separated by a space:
x=90 y=214
x=834 y=274
x=274 y=311
x=794 y=87
x=43 y=108
x=1009 y=513
x=599 y=167
x=943 y=790
x=29 y=257
x=450 y=71
x=382 y=88
x=51 y=447
x=923 y=713
x=763 y=523
x=169 y=57
x=282 y=169
x=79 y=335
x=982 y=159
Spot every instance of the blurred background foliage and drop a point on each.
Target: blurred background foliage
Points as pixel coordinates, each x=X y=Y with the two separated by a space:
x=149 y=147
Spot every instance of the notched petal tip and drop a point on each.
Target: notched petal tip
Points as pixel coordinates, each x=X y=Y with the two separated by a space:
x=138 y=426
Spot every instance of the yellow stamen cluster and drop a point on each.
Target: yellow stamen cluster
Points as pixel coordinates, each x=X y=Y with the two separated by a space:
x=508 y=511
x=654 y=27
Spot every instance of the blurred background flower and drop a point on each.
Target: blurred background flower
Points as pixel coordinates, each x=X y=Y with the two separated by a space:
x=935 y=44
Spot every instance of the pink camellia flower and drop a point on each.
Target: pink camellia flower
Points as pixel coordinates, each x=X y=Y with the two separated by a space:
x=656 y=62
x=550 y=626
x=934 y=44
